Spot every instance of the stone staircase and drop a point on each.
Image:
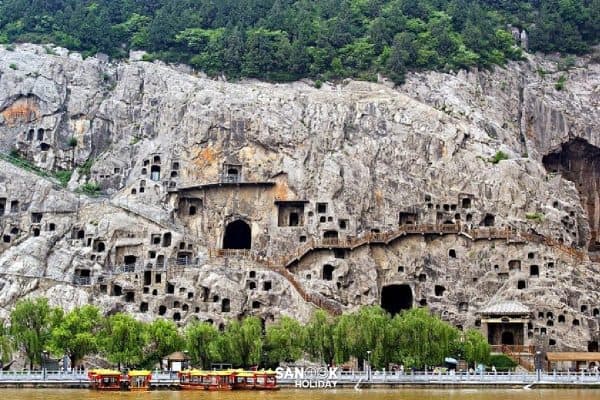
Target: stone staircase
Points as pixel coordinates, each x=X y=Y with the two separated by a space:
x=522 y=355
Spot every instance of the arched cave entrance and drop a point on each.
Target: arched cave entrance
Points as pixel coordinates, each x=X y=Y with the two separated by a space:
x=508 y=338
x=395 y=298
x=238 y=235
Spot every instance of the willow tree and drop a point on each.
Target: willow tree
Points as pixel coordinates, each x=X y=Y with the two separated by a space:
x=245 y=341
x=320 y=337
x=362 y=333
x=201 y=343
x=476 y=348
x=6 y=344
x=76 y=333
x=284 y=341
x=163 y=338
x=423 y=339
x=123 y=340
x=30 y=326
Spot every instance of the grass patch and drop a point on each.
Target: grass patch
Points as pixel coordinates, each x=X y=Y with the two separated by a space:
x=535 y=216
x=13 y=66
x=499 y=156
x=90 y=188
x=560 y=84
x=86 y=167
x=63 y=177
x=15 y=158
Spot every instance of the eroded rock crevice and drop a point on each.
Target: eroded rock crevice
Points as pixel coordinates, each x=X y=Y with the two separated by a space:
x=579 y=161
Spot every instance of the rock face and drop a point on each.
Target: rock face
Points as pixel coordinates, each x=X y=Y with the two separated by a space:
x=220 y=199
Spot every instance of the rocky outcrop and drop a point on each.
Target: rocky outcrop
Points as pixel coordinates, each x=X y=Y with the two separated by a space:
x=209 y=189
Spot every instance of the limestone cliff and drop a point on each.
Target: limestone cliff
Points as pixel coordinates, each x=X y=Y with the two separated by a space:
x=226 y=199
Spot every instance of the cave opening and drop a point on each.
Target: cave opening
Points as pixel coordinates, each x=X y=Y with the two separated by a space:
x=395 y=298
x=578 y=161
x=238 y=235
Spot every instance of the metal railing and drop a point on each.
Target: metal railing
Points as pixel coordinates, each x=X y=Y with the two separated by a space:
x=347 y=377
x=43 y=375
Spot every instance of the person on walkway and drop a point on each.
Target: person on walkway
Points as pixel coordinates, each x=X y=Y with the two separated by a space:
x=494 y=369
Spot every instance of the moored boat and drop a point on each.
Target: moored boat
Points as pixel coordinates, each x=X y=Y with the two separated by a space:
x=105 y=379
x=244 y=380
x=265 y=380
x=193 y=379
x=221 y=380
x=139 y=381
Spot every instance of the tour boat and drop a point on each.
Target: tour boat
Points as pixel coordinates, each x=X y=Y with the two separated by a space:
x=265 y=380
x=220 y=380
x=244 y=380
x=193 y=379
x=139 y=381
x=105 y=379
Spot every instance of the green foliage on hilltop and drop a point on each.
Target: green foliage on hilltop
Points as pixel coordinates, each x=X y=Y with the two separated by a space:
x=290 y=39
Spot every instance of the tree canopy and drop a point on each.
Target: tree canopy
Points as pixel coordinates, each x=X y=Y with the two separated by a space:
x=123 y=340
x=75 y=334
x=30 y=326
x=291 y=39
x=415 y=338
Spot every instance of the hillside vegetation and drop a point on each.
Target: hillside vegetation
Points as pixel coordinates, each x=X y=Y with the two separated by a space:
x=291 y=39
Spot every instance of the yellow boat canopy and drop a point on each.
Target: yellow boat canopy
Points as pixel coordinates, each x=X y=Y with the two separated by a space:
x=267 y=372
x=222 y=373
x=139 y=373
x=106 y=372
x=194 y=372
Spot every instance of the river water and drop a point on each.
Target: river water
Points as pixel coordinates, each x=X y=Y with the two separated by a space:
x=289 y=394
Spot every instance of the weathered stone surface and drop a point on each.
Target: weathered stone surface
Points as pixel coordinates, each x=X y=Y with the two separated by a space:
x=180 y=158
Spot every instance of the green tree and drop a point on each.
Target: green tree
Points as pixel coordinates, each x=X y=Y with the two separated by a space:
x=201 y=343
x=123 y=340
x=267 y=53
x=163 y=338
x=6 y=344
x=364 y=331
x=31 y=324
x=424 y=339
x=75 y=333
x=72 y=144
x=284 y=341
x=320 y=337
x=246 y=341
x=476 y=348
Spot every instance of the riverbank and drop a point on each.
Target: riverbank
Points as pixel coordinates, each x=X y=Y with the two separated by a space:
x=342 y=380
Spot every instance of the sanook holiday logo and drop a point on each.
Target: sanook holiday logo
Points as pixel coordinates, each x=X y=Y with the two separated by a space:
x=310 y=378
